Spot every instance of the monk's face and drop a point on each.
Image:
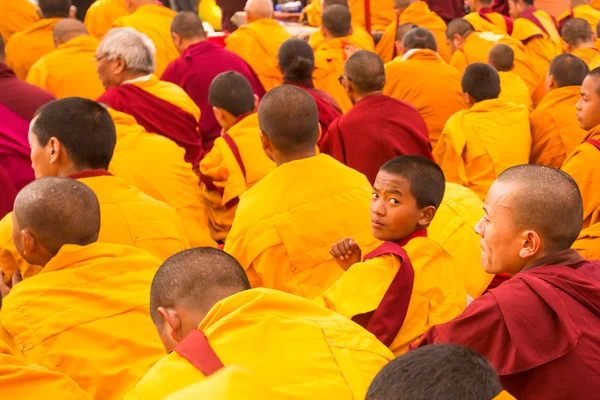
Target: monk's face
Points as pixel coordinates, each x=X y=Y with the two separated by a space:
x=588 y=106
x=109 y=71
x=516 y=7
x=41 y=156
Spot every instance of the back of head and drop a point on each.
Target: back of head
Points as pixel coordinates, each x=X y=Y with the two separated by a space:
x=232 y=92
x=402 y=4
x=481 y=81
x=419 y=38
x=437 y=371
x=188 y=25
x=501 y=57
x=568 y=70
x=58 y=211
x=426 y=178
x=366 y=72
x=289 y=117
x=327 y=3
x=55 y=8
x=296 y=60
x=459 y=26
x=256 y=9
x=83 y=127
x=577 y=31
x=403 y=29
x=135 y=48
x=67 y=29
x=337 y=21
x=546 y=200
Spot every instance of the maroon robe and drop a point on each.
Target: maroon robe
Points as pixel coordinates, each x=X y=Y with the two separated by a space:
x=19 y=96
x=540 y=329
x=8 y=193
x=377 y=129
x=14 y=148
x=501 y=6
x=447 y=9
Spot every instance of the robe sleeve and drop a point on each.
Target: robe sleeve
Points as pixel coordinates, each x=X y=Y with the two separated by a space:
x=265 y=270
x=580 y=166
x=447 y=158
x=38 y=74
x=15 y=60
x=214 y=175
x=171 y=74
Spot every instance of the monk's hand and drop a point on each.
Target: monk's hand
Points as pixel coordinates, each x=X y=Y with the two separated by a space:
x=346 y=252
x=4 y=288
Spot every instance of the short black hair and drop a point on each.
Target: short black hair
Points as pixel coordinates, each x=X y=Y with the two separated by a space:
x=481 y=81
x=232 y=92
x=187 y=24
x=403 y=29
x=296 y=60
x=419 y=38
x=568 y=70
x=595 y=73
x=366 y=71
x=577 y=31
x=502 y=57
x=82 y=126
x=327 y=3
x=337 y=21
x=55 y=8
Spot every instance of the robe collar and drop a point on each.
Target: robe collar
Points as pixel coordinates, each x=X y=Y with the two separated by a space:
x=199 y=48
x=144 y=78
x=306 y=83
x=413 y=52
x=594 y=133
x=90 y=173
x=6 y=72
x=241 y=117
x=566 y=257
x=415 y=234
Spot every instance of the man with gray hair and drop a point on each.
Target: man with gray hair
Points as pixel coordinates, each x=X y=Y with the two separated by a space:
x=126 y=68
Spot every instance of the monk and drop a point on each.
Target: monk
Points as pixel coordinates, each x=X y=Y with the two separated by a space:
x=27 y=46
x=102 y=14
x=258 y=42
x=208 y=318
x=579 y=37
x=153 y=20
x=579 y=9
x=378 y=127
x=18 y=15
x=200 y=62
x=555 y=130
x=485 y=19
x=237 y=161
x=409 y=283
x=125 y=60
x=512 y=87
x=414 y=12
x=14 y=149
x=434 y=86
x=74 y=48
x=544 y=320
x=58 y=148
x=75 y=315
x=275 y=235
x=479 y=143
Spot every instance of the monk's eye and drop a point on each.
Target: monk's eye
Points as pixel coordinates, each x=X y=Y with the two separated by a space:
x=394 y=202
x=375 y=196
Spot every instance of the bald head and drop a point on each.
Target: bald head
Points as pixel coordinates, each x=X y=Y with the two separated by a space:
x=568 y=70
x=55 y=8
x=365 y=71
x=336 y=21
x=188 y=25
x=577 y=32
x=402 y=30
x=68 y=29
x=419 y=38
x=459 y=26
x=501 y=57
x=257 y=9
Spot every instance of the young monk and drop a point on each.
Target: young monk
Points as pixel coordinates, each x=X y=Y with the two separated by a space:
x=378 y=127
x=208 y=317
x=434 y=86
x=479 y=143
x=555 y=130
x=18 y=15
x=512 y=87
x=579 y=37
x=79 y=311
x=276 y=234
x=579 y=9
x=485 y=19
x=409 y=283
x=102 y=14
x=544 y=320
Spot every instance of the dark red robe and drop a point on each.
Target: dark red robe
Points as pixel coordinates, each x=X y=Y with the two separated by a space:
x=7 y=193
x=447 y=9
x=501 y=6
x=14 y=148
x=19 y=96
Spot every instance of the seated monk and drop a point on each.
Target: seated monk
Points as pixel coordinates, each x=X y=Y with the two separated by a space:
x=74 y=48
x=80 y=310
x=17 y=15
x=237 y=161
x=27 y=46
x=258 y=42
x=14 y=148
x=200 y=62
x=126 y=69
x=512 y=87
x=579 y=9
x=58 y=148
x=544 y=320
x=418 y=13
x=102 y=14
x=579 y=37
x=485 y=19
x=555 y=130
x=479 y=143
x=434 y=86
x=409 y=283
x=208 y=318
x=284 y=223
x=460 y=373
x=378 y=127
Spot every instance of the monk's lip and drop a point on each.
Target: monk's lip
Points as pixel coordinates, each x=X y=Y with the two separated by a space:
x=377 y=225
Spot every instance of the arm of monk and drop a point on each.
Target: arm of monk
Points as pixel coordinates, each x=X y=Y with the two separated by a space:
x=546 y=146
x=332 y=143
x=447 y=158
x=38 y=74
x=214 y=169
x=579 y=165
x=459 y=61
x=14 y=58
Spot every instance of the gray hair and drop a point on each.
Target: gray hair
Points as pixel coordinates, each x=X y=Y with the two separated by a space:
x=134 y=47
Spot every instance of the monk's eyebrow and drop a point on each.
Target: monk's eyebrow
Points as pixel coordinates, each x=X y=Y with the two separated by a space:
x=397 y=192
x=485 y=210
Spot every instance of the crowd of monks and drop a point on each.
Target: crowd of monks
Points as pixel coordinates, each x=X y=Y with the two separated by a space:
x=403 y=205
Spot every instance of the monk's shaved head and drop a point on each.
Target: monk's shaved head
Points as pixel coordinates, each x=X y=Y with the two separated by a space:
x=577 y=31
x=288 y=116
x=296 y=60
x=337 y=21
x=58 y=211
x=568 y=70
x=55 y=8
x=232 y=92
x=403 y=29
x=459 y=26
x=195 y=280
x=501 y=57
x=327 y=3
x=419 y=38
x=402 y=4
x=188 y=25
x=67 y=29
x=481 y=82
x=546 y=200
x=365 y=71
x=256 y=9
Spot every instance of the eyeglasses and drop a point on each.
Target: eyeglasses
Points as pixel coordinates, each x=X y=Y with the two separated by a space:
x=97 y=59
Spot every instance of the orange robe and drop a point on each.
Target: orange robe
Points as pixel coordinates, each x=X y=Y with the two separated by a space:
x=102 y=14
x=312 y=13
x=26 y=47
x=172 y=180
x=17 y=15
x=493 y=22
x=331 y=357
x=587 y=54
x=588 y=242
x=86 y=297
x=78 y=80
x=595 y=63
x=154 y=20
x=359 y=38
x=258 y=44
x=329 y=66
x=513 y=89
x=555 y=130
x=433 y=88
x=285 y=224
x=583 y=11
x=382 y=13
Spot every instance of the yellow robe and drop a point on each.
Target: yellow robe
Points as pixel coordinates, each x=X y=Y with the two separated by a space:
x=17 y=15
x=582 y=165
x=479 y=143
x=359 y=38
x=26 y=47
x=86 y=316
x=587 y=54
x=155 y=21
x=306 y=351
x=285 y=225
x=513 y=89
x=498 y=24
x=438 y=293
x=67 y=71
x=258 y=44
x=102 y=14
x=433 y=88
x=382 y=13
x=454 y=229
x=555 y=130
x=312 y=13
x=172 y=180
x=329 y=66
x=588 y=243
x=583 y=11
x=223 y=181
x=595 y=63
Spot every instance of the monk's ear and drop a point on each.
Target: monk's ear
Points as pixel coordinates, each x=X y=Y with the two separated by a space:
x=256 y=100
x=399 y=48
x=55 y=150
x=266 y=145
x=171 y=324
x=29 y=243
x=120 y=66
x=531 y=244
x=73 y=12
x=427 y=215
